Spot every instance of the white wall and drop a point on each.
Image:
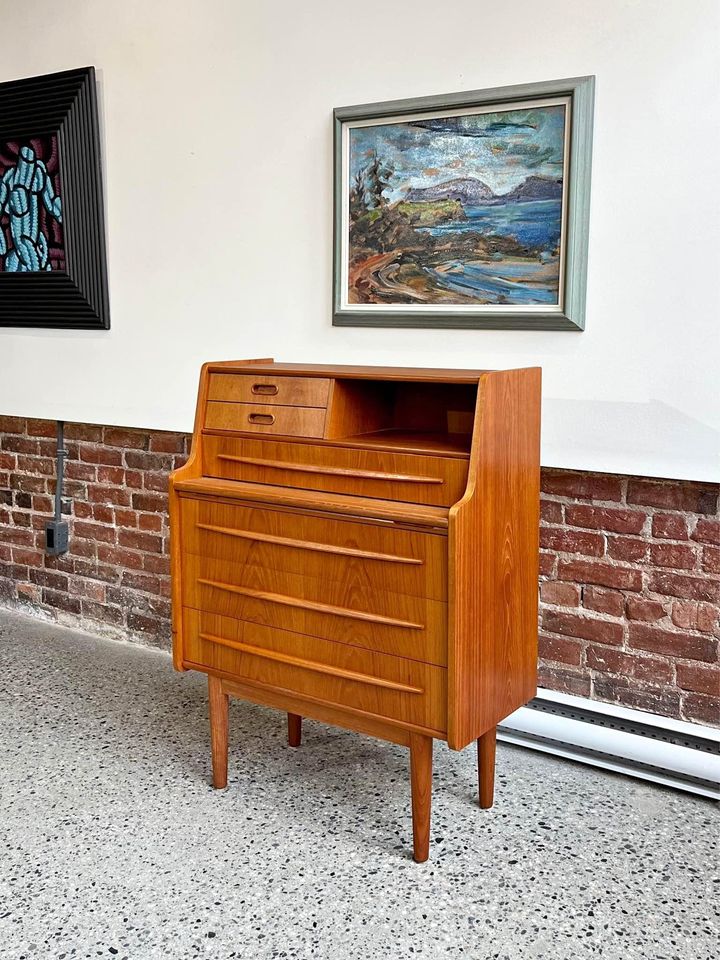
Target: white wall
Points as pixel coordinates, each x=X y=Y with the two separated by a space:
x=217 y=131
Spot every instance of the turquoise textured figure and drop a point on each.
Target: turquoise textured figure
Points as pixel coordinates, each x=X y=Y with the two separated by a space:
x=22 y=189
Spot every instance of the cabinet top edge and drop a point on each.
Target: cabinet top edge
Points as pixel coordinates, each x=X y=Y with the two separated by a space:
x=349 y=371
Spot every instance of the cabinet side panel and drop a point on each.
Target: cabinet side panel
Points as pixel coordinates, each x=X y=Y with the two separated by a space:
x=494 y=532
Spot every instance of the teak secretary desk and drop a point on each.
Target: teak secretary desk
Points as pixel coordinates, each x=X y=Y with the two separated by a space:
x=360 y=545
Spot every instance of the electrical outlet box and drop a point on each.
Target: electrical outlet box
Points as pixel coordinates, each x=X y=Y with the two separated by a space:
x=56 y=537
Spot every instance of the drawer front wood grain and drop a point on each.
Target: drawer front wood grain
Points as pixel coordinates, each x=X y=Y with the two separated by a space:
x=359 y=616
x=355 y=555
x=381 y=685
x=285 y=391
x=438 y=481
x=265 y=418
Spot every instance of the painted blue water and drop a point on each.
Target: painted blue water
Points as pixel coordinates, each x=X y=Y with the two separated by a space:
x=535 y=223
x=497 y=282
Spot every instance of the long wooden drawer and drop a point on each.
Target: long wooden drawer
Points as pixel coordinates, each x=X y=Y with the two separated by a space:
x=264 y=388
x=265 y=418
x=384 y=686
x=358 y=556
x=391 y=623
x=367 y=473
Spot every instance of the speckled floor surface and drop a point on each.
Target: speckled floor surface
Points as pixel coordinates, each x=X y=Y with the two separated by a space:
x=113 y=844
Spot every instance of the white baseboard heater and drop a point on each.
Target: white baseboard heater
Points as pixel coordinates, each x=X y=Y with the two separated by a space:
x=674 y=753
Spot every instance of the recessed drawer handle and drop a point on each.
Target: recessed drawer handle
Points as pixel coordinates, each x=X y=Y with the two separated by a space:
x=265 y=418
x=265 y=389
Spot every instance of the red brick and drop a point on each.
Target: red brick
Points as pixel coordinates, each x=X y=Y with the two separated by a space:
x=604 y=601
x=29 y=592
x=648 y=610
x=627 y=549
x=563 y=594
x=156 y=563
x=119 y=557
x=148 y=583
x=42 y=428
x=21 y=537
x=125 y=438
x=711 y=559
x=602 y=574
x=74 y=470
x=168 y=442
x=150 y=502
x=148 y=461
x=692 y=615
x=102 y=612
x=96 y=571
x=623 y=691
x=61 y=601
x=152 y=522
x=684 y=587
x=156 y=481
x=50 y=578
x=102 y=513
x=114 y=476
x=670 y=643
x=94 y=531
x=551 y=511
x=547 y=564
x=28 y=484
x=27 y=556
x=699 y=679
x=681 y=556
x=118 y=496
x=707 y=531
x=670 y=526
x=701 y=709
x=571 y=541
x=89 y=589
x=560 y=649
x=12 y=425
x=139 y=540
x=126 y=518
x=101 y=455
x=39 y=466
x=604 y=518
x=83 y=431
x=134 y=479
x=564 y=681
x=642 y=668
x=673 y=495
x=150 y=626
x=585 y=628
x=8 y=461
x=582 y=486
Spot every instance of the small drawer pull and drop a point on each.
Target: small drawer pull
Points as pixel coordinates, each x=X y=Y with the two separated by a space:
x=265 y=389
x=265 y=418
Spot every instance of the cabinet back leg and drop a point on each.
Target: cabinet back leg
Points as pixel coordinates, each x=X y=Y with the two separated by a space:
x=218 y=703
x=486 y=767
x=421 y=787
x=294 y=729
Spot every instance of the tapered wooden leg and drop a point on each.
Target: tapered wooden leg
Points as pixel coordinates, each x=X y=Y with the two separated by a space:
x=486 y=768
x=421 y=786
x=294 y=729
x=218 y=731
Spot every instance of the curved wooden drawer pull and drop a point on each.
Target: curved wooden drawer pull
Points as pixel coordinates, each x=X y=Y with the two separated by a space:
x=265 y=389
x=310 y=664
x=311 y=605
x=266 y=419
x=307 y=544
x=331 y=471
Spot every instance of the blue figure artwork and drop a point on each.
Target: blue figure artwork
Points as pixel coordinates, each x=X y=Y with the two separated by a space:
x=28 y=204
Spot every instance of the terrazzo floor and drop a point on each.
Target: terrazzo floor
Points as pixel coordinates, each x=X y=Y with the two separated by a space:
x=113 y=844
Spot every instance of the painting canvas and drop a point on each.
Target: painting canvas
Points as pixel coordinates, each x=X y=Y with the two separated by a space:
x=456 y=214
x=31 y=233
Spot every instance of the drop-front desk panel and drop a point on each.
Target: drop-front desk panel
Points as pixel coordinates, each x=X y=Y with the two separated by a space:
x=360 y=545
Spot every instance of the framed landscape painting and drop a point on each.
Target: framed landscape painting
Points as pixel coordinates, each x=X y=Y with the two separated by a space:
x=465 y=210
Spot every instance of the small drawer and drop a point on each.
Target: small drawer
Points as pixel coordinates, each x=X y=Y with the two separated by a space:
x=285 y=391
x=265 y=418
x=374 y=683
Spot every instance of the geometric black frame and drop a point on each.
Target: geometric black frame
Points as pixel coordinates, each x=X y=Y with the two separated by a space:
x=63 y=104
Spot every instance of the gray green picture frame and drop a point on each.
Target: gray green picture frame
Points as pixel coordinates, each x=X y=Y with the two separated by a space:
x=580 y=91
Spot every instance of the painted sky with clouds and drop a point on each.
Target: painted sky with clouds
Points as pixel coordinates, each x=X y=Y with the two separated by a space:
x=502 y=149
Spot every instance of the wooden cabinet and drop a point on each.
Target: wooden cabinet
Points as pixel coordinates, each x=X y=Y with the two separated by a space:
x=360 y=545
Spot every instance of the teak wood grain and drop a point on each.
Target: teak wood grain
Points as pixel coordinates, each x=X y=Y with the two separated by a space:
x=364 y=562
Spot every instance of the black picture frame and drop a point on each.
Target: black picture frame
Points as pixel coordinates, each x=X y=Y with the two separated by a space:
x=63 y=105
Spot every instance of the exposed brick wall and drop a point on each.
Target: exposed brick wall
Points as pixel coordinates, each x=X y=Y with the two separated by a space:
x=629 y=567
